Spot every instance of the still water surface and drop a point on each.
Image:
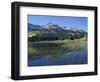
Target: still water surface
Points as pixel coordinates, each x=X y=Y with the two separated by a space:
x=54 y=54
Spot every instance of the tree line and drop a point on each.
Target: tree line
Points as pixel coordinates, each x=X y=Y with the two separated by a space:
x=56 y=36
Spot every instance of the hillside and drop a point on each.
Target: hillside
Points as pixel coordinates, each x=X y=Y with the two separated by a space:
x=53 y=32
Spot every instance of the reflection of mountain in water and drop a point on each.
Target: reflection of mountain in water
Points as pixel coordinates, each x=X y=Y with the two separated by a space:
x=50 y=49
x=41 y=54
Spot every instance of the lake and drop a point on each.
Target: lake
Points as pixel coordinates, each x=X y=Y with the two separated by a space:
x=49 y=53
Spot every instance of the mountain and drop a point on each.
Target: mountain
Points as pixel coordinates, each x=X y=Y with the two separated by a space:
x=54 y=31
x=32 y=27
x=52 y=27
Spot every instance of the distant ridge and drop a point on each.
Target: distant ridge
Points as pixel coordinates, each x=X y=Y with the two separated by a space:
x=52 y=27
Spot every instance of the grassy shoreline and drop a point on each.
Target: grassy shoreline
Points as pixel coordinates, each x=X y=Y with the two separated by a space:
x=62 y=42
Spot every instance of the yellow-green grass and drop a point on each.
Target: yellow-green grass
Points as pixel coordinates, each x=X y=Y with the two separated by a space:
x=31 y=34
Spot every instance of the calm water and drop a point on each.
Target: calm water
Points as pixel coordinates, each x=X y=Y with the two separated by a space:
x=44 y=54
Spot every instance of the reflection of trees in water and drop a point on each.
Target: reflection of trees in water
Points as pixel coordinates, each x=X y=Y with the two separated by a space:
x=51 y=50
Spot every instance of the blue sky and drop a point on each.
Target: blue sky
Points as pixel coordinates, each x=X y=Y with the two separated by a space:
x=77 y=22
